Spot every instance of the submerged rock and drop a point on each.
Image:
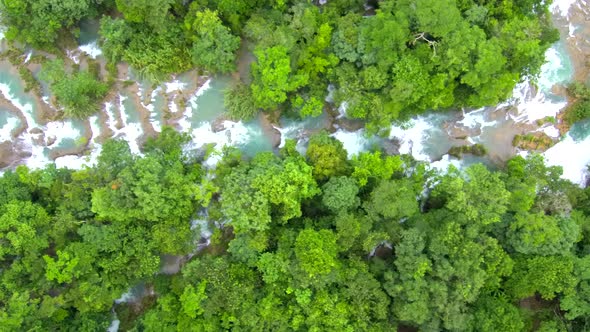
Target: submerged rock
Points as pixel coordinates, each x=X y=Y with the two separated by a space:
x=10 y=155
x=458 y=131
x=391 y=147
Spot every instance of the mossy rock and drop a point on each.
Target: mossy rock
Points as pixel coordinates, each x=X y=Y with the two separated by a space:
x=475 y=149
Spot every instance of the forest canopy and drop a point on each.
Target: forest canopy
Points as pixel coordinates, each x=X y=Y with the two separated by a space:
x=314 y=242
x=387 y=63
x=290 y=241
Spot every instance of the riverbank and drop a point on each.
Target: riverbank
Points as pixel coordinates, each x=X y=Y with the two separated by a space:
x=135 y=110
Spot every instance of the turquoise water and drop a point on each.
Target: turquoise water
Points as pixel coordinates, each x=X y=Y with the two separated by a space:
x=16 y=87
x=580 y=130
x=88 y=31
x=439 y=141
x=5 y=115
x=309 y=123
x=130 y=110
x=258 y=141
x=159 y=104
x=249 y=137
x=67 y=143
x=558 y=69
x=209 y=106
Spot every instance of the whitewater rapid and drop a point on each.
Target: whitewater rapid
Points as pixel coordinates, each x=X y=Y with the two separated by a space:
x=425 y=137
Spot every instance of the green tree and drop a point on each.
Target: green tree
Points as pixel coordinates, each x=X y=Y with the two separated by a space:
x=327 y=156
x=40 y=23
x=273 y=77
x=340 y=194
x=538 y=234
x=214 y=47
x=547 y=275
x=151 y=13
x=240 y=103
x=267 y=186
x=393 y=200
x=316 y=252
x=371 y=165
x=78 y=93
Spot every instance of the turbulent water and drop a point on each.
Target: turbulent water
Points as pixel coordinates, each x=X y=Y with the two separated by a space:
x=137 y=112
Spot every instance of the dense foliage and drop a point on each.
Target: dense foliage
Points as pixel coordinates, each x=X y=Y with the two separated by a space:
x=78 y=92
x=314 y=242
x=408 y=57
x=40 y=22
x=387 y=63
x=579 y=109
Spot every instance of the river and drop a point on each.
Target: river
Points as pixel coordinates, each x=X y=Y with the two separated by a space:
x=194 y=104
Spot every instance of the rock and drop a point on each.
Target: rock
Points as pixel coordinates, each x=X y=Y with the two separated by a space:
x=270 y=129
x=559 y=90
x=391 y=147
x=39 y=138
x=218 y=125
x=511 y=111
x=460 y=132
x=275 y=138
x=51 y=140
x=349 y=124
x=11 y=154
x=36 y=131
x=7 y=154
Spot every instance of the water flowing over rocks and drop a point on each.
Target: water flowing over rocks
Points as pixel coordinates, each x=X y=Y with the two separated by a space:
x=193 y=103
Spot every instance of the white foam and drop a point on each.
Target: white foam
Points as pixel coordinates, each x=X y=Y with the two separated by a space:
x=132 y=133
x=572 y=30
x=95 y=127
x=570 y=155
x=173 y=107
x=122 y=113
x=552 y=71
x=156 y=123
x=6 y=130
x=234 y=134
x=443 y=164
x=206 y=86
x=61 y=130
x=294 y=131
x=72 y=162
x=91 y=49
x=342 y=110
x=331 y=91
x=38 y=158
x=26 y=109
x=111 y=120
x=114 y=327
x=79 y=162
x=28 y=56
x=174 y=86
x=126 y=297
x=533 y=107
x=477 y=119
x=203 y=225
x=213 y=159
x=73 y=55
x=185 y=122
x=412 y=138
x=561 y=7
x=551 y=131
x=354 y=142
